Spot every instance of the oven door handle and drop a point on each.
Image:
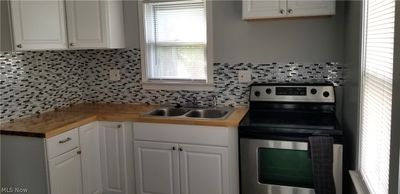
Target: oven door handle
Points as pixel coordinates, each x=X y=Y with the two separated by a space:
x=276 y=144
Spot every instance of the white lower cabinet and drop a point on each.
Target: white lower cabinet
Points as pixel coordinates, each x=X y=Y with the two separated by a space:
x=96 y=158
x=167 y=168
x=104 y=157
x=157 y=167
x=203 y=169
x=170 y=164
x=91 y=170
x=65 y=173
x=116 y=147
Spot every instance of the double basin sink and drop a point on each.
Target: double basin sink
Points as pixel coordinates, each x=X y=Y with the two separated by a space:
x=211 y=113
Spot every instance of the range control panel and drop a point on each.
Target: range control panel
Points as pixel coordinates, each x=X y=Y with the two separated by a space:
x=293 y=93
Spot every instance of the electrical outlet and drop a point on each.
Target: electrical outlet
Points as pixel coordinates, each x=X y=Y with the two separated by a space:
x=244 y=76
x=115 y=75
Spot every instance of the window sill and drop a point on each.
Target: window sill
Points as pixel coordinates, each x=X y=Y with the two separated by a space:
x=358 y=182
x=177 y=86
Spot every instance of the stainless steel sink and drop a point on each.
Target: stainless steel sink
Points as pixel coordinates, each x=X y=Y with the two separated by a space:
x=168 y=112
x=208 y=113
x=215 y=113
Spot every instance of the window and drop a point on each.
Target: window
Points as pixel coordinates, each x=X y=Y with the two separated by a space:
x=376 y=94
x=175 y=44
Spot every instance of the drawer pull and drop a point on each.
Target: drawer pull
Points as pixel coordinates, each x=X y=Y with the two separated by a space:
x=65 y=140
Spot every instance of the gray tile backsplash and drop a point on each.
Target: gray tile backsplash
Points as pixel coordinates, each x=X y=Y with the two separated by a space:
x=34 y=82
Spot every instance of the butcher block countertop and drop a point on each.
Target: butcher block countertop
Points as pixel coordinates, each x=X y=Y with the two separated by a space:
x=52 y=123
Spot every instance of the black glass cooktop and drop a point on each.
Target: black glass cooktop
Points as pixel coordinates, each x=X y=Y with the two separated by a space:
x=289 y=123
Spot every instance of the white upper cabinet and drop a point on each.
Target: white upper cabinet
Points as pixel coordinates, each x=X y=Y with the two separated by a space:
x=63 y=24
x=311 y=8
x=263 y=9
x=95 y=24
x=38 y=25
x=258 y=9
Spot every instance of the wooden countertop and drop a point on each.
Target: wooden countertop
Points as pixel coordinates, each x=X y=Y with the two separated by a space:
x=56 y=122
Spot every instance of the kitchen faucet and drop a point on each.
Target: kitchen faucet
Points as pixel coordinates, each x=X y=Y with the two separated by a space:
x=214 y=101
x=191 y=103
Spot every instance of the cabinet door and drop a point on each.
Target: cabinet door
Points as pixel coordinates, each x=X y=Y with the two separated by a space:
x=91 y=170
x=203 y=169
x=156 y=167
x=65 y=173
x=38 y=24
x=116 y=157
x=86 y=21
x=310 y=8
x=258 y=9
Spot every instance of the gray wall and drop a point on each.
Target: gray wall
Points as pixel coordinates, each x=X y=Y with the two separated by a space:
x=395 y=136
x=317 y=39
x=352 y=65
x=5 y=30
x=301 y=39
x=23 y=164
x=131 y=24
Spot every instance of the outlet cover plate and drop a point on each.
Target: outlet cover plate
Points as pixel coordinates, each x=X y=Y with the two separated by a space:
x=115 y=75
x=244 y=76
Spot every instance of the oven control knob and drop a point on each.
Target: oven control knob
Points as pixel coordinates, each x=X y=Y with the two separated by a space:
x=257 y=93
x=313 y=91
x=268 y=91
x=326 y=94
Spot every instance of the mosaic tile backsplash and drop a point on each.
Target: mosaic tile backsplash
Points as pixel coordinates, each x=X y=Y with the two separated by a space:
x=34 y=82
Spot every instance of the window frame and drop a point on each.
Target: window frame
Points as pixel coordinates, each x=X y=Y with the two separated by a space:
x=359 y=182
x=208 y=85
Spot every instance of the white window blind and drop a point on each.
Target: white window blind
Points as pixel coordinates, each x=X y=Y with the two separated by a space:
x=176 y=41
x=378 y=44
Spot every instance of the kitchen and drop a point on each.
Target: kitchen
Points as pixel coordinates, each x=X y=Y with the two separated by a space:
x=152 y=96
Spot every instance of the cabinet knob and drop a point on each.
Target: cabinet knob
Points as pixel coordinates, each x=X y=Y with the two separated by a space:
x=180 y=149
x=290 y=11
x=173 y=148
x=282 y=11
x=79 y=152
x=119 y=126
x=19 y=45
x=71 y=44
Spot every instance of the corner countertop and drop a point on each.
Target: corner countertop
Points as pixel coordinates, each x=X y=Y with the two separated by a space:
x=52 y=123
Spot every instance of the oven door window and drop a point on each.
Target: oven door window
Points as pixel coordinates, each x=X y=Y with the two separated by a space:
x=285 y=167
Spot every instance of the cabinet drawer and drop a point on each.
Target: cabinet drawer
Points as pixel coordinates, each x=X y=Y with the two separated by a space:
x=62 y=143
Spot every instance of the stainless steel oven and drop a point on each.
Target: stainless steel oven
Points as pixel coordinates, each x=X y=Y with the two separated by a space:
x=274 y=140
x=281 y=167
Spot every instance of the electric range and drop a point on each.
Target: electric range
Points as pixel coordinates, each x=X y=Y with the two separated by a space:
x=274 y=136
